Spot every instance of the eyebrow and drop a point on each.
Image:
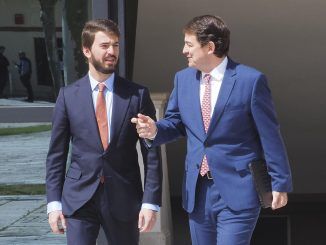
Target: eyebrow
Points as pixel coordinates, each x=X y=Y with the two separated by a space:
x=109 y=43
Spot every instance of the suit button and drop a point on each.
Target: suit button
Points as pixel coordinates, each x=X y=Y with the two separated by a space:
x=205 y=144
x=197 y=165
x=102 y=179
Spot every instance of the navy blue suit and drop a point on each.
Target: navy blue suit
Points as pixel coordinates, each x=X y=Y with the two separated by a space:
x=243 y=128
x=122 y=194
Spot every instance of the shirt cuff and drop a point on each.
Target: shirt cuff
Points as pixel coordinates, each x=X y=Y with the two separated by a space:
x=54 y=206
x=150 y=206
x=149 y=142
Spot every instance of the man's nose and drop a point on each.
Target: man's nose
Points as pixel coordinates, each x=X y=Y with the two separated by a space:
x=110 y=49
x=185 y=50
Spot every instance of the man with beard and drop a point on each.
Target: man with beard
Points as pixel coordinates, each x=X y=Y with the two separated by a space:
x=102 y=187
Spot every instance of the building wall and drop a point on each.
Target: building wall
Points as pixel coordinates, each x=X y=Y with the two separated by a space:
x=284 y=39
x=21 y=38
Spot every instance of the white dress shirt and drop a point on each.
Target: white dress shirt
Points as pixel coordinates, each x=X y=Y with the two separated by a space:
x=217 y=75
x=108 y=93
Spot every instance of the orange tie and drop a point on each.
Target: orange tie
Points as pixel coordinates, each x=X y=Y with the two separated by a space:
x=101 y=115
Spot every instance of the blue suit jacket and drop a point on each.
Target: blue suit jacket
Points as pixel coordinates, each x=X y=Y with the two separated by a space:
x=74 y=121
x=243 y=128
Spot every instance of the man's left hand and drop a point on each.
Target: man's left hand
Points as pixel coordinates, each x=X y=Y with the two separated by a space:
x=147 y=219
x=280 y=199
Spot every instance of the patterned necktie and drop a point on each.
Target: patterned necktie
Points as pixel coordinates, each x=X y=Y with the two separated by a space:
x=206 y=114
x=101 y=115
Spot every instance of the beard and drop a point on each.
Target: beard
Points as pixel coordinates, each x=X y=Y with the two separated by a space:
x=98 y=65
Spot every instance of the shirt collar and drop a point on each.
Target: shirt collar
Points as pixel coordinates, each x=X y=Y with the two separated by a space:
x=218 y=72
x=108 y=82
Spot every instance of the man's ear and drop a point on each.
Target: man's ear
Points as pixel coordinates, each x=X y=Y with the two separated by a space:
x=87 y=52
x=211 y=47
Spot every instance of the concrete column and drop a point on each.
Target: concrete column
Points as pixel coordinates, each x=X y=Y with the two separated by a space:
x=162 y=231
x=69 y=44
x=122 y=39
x=99 y=9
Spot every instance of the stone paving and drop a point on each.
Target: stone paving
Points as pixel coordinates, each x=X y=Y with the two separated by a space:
x=24 y=222
x=23 y=219
x=22 y=158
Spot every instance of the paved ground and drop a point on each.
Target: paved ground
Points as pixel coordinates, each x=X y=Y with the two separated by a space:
x=22 y=161
x=23 y=222
x=22 y=158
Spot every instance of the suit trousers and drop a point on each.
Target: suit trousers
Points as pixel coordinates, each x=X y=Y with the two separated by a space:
x=83 y=226
x=26 y=81
x=213 y=222
x=3 y=81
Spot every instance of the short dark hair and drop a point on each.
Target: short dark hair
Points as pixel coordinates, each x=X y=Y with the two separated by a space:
x=210 y=28
x=21 y=54
x=93 y=26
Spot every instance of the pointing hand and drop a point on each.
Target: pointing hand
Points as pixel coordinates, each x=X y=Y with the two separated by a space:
x=146 y=127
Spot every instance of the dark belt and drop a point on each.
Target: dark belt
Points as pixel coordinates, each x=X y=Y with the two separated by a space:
x=208 y=175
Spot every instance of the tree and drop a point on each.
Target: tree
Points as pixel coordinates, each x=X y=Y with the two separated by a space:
x=47 y=16
x=74 y=14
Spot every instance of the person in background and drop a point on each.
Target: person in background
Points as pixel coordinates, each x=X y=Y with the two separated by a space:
x=225 y=110
x=4 y=74
x=25 y=72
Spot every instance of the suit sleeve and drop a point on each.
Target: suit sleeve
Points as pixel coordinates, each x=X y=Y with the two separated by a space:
x=58 y=151
x=151 y=159
x=265 y=119
x=171 y=127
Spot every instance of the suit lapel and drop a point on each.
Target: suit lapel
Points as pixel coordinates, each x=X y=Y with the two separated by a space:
x=224 y=94
x=85 y=101
x=195 y=108
x=121 y=101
